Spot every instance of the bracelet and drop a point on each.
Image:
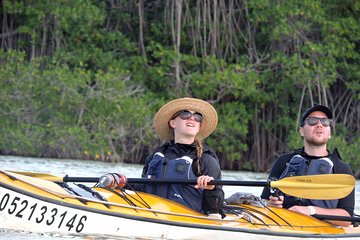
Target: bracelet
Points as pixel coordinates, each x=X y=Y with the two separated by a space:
x=312 y=210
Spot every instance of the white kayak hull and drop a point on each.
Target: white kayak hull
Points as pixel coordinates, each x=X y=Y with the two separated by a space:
x=26 y=213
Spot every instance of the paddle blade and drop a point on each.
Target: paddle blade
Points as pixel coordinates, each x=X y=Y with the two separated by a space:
x=321 y=187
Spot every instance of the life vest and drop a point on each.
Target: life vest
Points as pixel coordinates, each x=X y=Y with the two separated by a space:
x=179 y=168
x=299 y=166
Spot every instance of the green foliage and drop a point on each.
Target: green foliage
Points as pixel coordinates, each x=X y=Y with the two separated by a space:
x=231 y=131
x=347 y=146
x=76 y=82
x=295 y=140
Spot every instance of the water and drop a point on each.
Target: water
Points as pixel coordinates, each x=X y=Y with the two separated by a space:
x=80 y=168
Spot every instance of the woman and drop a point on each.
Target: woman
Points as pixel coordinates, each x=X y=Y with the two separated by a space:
x=183 y=123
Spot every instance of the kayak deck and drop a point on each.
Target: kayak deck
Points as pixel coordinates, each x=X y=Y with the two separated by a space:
x=132 y=205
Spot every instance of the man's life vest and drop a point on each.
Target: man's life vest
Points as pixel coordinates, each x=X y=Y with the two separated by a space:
x=179 y=168
x=299 y=166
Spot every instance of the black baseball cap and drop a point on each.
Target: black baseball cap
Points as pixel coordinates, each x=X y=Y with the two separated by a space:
x=315 y=108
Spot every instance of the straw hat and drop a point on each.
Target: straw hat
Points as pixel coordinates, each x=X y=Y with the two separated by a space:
x=163 y=116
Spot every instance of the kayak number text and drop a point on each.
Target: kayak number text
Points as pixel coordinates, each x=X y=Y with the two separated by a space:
x=41 y=214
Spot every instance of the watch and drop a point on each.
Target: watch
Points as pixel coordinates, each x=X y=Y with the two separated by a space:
x=312 y=210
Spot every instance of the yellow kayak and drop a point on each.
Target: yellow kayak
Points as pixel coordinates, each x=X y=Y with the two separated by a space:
x=38 y=205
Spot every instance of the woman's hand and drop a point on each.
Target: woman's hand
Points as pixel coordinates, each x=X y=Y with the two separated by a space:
x=202 y=182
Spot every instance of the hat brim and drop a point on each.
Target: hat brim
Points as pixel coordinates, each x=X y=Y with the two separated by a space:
x=165 y=113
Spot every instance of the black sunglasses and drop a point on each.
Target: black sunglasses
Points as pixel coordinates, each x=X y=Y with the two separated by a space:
x=312 y=121
x=185 y=114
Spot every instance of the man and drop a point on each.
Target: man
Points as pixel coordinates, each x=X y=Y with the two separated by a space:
x=313 y=158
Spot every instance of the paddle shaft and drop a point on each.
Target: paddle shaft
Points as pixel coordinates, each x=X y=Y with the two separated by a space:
x=336 y=218
x=322 y=186
x=173 y=181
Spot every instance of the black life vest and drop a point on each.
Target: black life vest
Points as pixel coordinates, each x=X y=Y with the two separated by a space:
x=299 y=166
x=179 y=168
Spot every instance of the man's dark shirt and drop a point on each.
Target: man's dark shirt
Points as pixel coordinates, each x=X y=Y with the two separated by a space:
x=340 y=167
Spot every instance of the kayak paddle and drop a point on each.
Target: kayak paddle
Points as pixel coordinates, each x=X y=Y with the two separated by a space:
x=322 y=186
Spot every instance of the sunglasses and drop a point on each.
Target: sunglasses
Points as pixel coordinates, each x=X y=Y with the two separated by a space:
x=185 y=114
x=312 y=121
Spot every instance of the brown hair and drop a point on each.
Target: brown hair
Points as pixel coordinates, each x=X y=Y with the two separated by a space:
x=199 y=152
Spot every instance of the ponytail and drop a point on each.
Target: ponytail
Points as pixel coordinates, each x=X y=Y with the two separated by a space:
x=199 y=152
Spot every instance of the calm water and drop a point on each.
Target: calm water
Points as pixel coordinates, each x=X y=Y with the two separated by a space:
x=79 y=168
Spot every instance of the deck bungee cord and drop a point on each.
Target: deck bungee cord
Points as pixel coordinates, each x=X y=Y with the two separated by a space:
x=244 y=213
x=124 y=195
x=251 y=199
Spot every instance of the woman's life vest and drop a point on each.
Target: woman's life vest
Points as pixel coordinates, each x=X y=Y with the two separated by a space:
x=179 y=168
x=299 y=166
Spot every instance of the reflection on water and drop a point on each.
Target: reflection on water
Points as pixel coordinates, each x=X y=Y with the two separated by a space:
x=21 y=235
x=81 y=168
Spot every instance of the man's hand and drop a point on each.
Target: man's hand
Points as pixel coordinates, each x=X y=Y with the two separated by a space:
x=304 y=209
x=275 y=201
